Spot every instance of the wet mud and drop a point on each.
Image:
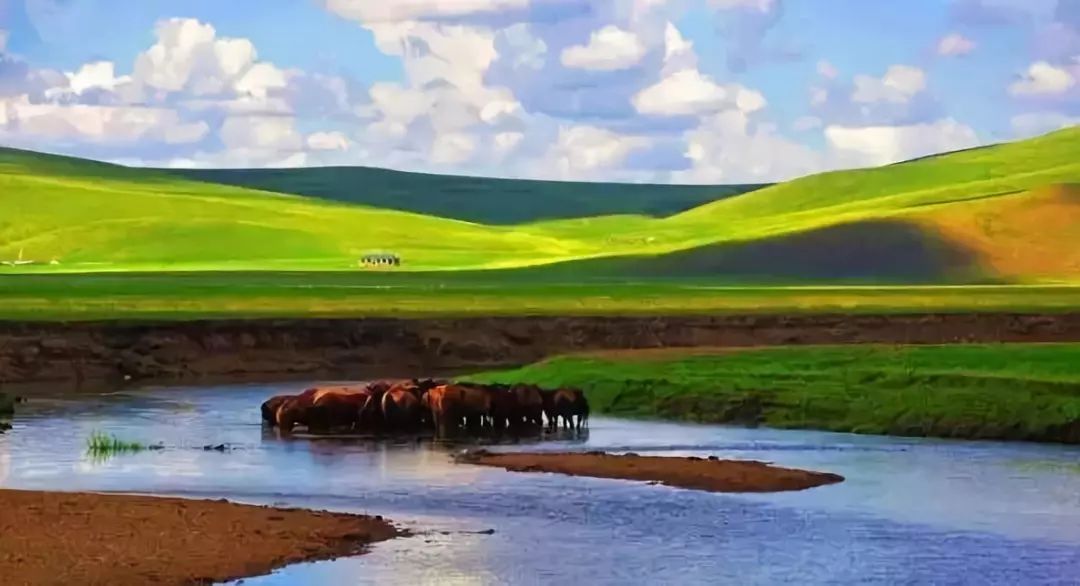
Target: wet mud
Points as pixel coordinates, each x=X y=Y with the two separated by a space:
x=708 y=474
x=90 y=539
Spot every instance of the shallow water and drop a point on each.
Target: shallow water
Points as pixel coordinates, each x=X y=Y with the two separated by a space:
x=910 y=511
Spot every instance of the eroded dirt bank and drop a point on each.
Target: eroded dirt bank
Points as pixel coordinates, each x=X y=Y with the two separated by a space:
x=74 y=538
x=275 y=349
x=697 y=473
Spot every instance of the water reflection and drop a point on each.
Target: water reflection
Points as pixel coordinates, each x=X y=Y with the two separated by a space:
x=911 y=511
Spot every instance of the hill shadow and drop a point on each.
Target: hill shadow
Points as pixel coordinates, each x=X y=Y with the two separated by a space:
x=874 y=251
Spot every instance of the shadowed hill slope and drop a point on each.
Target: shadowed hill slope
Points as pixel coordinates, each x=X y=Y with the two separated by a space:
x=473 y=199
x=1023 y=237
x=873 y=251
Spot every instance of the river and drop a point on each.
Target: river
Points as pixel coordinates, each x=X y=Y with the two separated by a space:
x=911 y=511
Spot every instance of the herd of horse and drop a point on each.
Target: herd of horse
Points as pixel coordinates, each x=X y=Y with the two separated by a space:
x=413 y=405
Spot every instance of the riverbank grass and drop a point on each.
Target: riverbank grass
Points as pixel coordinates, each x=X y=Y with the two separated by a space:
x=104 y=445
x=1001 y=391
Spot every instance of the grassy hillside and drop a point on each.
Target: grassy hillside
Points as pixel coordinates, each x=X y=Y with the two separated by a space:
x=1005 y=391
x=99 y=217
x=472 y=199
x=1006 y=213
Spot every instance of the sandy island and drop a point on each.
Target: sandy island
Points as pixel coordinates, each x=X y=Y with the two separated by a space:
x=74 y=538
x=708 y=474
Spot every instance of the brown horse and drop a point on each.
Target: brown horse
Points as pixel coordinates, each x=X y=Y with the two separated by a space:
x=570 y=403
x=504 y=407
x=293 y=411
x=476 y=407
x=454 y=404
x=530 y=405
x=401 y=408
x=324 y=408
x=270 y=407
x=344 y=408
x=446 y=404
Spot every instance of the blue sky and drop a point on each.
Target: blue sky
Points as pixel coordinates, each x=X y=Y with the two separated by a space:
x=698 y=91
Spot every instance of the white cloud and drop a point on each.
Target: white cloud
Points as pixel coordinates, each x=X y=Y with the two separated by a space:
x=260 y=79
x=1036 y=123
x=499 y=108
x=432 y=52
x=609 y=49
x=581 y=151
x=445 y=112
x=96 y=75
x=96 y=124
x=181 y=48
x=328 y=141
x=955 y=45
x=805 y=123
x=453 y=148
x=376 y=11
x=674 y=43
x=186 y=92
x=399 y=104
x=899 y=85
x=881 y=145
x=260 y=133
x=688 y=92
x=1042 y=78
x=729 y=148
x=679 y=53
x=526 y=50
x=508 y=141
x=827 y=70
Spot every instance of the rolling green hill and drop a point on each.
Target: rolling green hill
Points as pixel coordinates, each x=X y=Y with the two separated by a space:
x=1003 y=214
x=473 y=199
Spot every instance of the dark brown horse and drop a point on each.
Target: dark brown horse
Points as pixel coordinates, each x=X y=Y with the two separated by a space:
x=568 y=404
x=504 y=407
x=401 y=408
x=530 y=405
x=270 y=406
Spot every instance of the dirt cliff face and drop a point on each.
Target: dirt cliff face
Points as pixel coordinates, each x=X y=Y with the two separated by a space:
x=78 y=353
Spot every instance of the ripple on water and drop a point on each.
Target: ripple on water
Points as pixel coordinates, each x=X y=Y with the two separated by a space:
x=911 y=511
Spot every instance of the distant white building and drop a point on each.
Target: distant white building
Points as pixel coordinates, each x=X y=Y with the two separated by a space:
x=380 y=259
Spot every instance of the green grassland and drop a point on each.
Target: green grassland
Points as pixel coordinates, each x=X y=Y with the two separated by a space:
x=92 y=217
x=472 y=199
x=1005 y=391
x=183 y=296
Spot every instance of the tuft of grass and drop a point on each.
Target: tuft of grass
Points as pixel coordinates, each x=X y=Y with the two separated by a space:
x=104 y=445
x=1001 y=391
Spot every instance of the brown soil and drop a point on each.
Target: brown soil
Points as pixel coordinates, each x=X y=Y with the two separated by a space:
x=73 y=538
x=712 y=475
x=81 y=354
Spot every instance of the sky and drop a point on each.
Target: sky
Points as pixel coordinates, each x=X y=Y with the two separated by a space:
x=684 y=91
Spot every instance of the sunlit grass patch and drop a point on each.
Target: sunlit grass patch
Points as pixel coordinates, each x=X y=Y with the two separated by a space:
x=978 y=391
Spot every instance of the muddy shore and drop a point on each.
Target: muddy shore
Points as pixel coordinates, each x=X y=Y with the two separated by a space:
x=711 y=475
x=83 y=353
x=75 y=538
